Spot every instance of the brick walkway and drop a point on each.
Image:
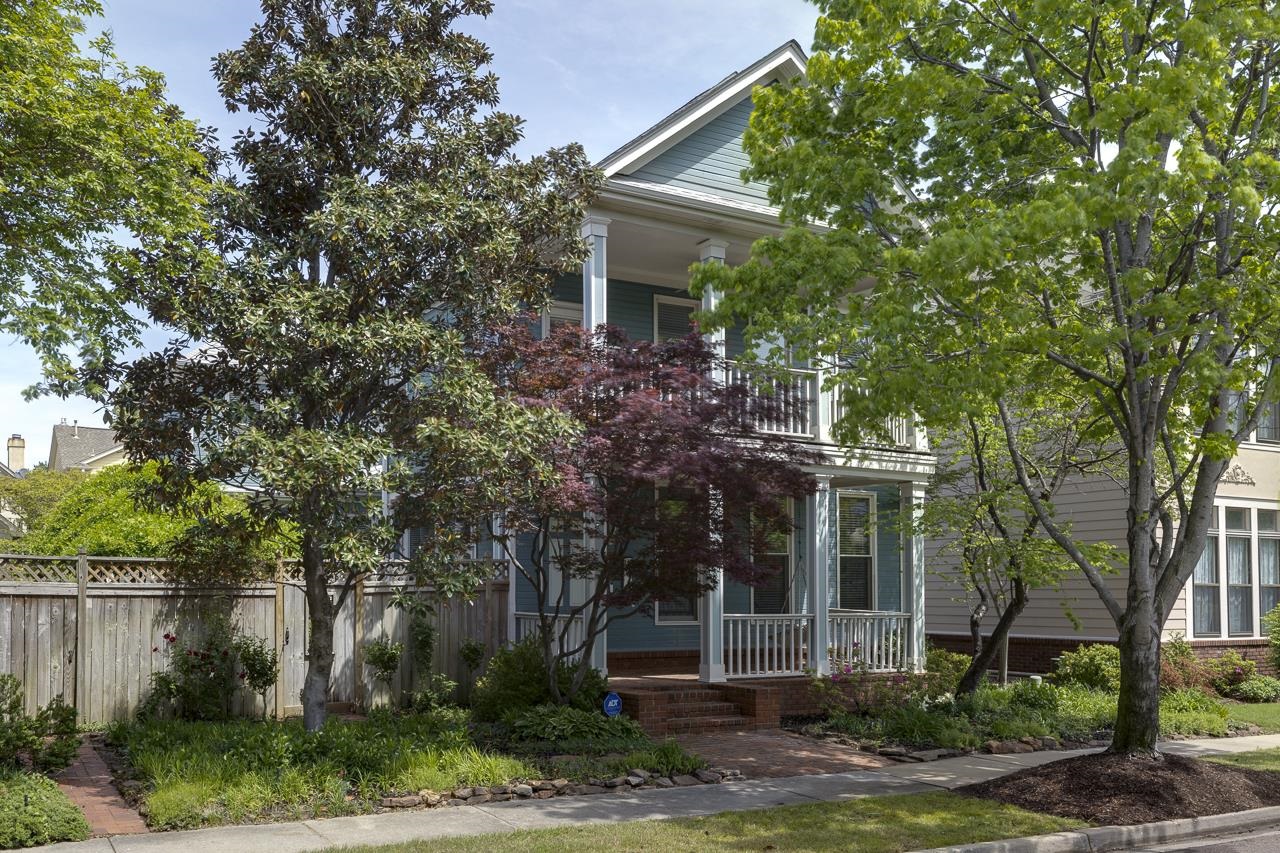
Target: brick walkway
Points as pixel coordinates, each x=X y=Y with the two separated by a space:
x=88 y=783
x=774 y=754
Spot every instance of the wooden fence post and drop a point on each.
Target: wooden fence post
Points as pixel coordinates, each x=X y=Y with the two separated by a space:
x=280 y=629
x=82 y=635
x=357 y=635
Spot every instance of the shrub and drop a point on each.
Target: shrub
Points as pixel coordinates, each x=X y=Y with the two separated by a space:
x=383 y=655
x=1271 y=624
x=1039 y=697
x=1258 y=688
x=1191 y=701
x=1082 y=712
x=667 y=759
x=561 y=723
x=1229 y=670
x=201 y=679
x=944 y=669
x=1181 y=668
x=516 y=679
x=914 y=724
x=259 y=666
x=47 y=741
x=1095 y=666
x=33 y=811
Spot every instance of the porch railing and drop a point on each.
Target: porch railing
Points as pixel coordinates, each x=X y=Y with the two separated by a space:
x=527 y=624
x=759 y=646
x=874 y=640
x=900 y=432
x=793 y=406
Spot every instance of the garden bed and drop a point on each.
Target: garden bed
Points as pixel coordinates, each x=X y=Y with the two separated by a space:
x=1119 y=790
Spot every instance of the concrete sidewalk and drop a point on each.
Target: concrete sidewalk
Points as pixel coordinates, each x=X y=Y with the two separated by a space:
x=650 y=804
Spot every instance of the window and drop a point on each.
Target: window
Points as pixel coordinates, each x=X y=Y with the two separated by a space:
x=1268 y=562
x=1239 y=574
x=1269 y=424
x=672 y=317
x=774 y=595
x=561 y=314
x=684 y=610
x=855 y=562
x=1204 y=580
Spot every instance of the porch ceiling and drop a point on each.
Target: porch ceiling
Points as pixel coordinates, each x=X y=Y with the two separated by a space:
x=661 y=254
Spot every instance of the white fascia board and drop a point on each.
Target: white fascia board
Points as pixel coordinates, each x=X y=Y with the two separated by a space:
x=786 y=62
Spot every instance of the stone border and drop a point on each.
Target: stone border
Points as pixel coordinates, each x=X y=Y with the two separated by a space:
x=542 y=789
x=1103 y=838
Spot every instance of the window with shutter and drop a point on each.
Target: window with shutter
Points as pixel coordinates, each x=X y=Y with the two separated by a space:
x=855 y=566
x=672 y=317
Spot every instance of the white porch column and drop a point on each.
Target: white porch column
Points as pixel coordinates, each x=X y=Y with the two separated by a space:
x=911 y=505
x=818 y=520
x=711 y=606
x=595 y=279
x=499 y=553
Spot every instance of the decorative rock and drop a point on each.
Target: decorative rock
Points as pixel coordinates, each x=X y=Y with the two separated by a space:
x=543 y=785
x=928 y=754
x=454 y=801
x=559 y=784
x=707 y=777
x=730 y=773
x=616 y=782
x=431 y=798
x=401 y=802
x=589 y=789
x=464 y=793
x=1049 y=743
x=1030 y=741
x=685 y=781
x=522 y=791
x=643 y=774
x=664 y=782
x=499 y=798
x=635 y=781
x=892 y=751
x=480 y=796
x=543 y=795
x=500 y=789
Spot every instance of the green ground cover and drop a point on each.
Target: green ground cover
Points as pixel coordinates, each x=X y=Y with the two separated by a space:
x=870 y=825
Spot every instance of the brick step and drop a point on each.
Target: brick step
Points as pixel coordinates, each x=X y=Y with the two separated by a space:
x=703 y=709
x=692 y=695
x=694 y=725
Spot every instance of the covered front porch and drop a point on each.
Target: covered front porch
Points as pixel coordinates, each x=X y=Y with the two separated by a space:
x=848 y=590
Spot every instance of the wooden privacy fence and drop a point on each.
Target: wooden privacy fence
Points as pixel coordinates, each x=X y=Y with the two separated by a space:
x=91 y=629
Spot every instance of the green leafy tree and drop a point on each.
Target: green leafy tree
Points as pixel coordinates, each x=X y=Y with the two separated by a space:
x=29 y=498
x=1034 y=206
x=93 y=157
x=106 y=514
x=371 y=225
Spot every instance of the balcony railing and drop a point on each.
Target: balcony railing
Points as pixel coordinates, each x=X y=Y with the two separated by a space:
x=759 y=646
x=790 y=400
x=898 y=432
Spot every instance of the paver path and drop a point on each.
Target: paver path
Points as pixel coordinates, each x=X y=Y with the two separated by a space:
x=776 y=754
x=87 y=781
x=642 y=804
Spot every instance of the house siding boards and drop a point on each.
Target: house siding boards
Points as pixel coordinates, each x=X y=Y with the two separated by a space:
x=710 y=160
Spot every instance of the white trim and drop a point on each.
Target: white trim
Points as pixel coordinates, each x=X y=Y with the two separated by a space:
x=661 y=299
x=697 y=617
x=873 y=602
x=567 y=312
x=785 y=62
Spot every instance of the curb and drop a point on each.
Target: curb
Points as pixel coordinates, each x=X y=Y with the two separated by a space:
x=1102 y=838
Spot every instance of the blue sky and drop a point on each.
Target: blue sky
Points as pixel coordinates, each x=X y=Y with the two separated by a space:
x=598 y=72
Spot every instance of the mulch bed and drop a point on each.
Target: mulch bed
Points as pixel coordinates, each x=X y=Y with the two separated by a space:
x=1117 y=790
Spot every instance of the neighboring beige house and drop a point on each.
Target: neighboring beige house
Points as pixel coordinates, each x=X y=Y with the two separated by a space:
x=77 y=448
x=13 y=467
x=1236 y=582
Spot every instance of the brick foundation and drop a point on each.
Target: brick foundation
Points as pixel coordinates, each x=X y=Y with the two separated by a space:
x=1258 y=651
x=1026 y=654
x=626 y=664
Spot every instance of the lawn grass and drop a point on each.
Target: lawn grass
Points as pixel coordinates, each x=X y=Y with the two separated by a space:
x=1259 y=759
x=870 y=825
x=1264 y=715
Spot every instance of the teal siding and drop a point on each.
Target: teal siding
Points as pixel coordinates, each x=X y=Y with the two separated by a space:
x=639 y=633
x=630 y=306
x=710 y=160
x=568 y=288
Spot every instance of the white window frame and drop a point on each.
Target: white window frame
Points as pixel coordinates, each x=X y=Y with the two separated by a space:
x=874 y=594
x=791 y=558
x=1218 y=528
x=661 y=299
x=570 y=312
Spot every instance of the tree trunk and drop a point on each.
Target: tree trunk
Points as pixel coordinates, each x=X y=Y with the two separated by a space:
x=320 y=615
x=1138 y=708
x=998 y=640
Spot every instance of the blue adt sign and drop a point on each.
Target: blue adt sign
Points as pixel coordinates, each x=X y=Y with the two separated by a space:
x=613 y=704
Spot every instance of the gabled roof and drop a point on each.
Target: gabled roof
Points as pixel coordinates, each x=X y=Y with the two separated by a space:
x=784 y=63
x=6 y=471
x=75 y=445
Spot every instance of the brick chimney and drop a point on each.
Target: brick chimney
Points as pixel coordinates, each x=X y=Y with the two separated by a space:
x=17 y=452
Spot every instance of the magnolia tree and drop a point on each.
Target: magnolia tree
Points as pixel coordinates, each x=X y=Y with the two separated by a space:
x=1032 y=206
x=369 y=226
x=658 y=488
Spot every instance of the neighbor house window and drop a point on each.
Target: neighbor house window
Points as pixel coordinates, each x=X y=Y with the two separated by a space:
x=855 y=564
x=1239 y=573
x=1269 y=424
x=1204 y=593
x=1268 y=561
